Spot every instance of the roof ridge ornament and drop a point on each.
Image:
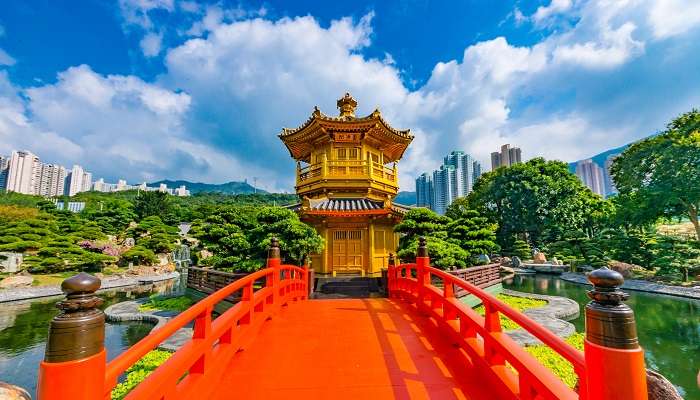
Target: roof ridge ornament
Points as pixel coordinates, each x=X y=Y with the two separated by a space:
x=347 y=105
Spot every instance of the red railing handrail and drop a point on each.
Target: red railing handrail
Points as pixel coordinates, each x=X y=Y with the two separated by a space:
x=574 y=356
x=208 y=330
x=496 y=348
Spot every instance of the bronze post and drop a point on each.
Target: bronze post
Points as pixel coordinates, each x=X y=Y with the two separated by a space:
x=79 y=330
x=609 y=321
x=422 y=248
x=274 y=250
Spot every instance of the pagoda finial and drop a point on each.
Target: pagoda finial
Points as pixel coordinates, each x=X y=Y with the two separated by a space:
x=347 y=106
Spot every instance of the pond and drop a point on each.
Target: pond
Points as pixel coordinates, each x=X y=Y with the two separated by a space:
x=668 y=327
x=24 y=328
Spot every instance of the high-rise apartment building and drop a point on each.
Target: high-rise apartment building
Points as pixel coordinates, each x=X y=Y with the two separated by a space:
x=506 y=157
x=424 y=190
x=591 y=175
x=51 y=180
x=455 y=178
x=78 y=181
x=610 y=187
x=4 y=170
x=24 y=172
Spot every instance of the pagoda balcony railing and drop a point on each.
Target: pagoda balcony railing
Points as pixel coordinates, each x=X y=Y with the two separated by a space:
x=347 y=169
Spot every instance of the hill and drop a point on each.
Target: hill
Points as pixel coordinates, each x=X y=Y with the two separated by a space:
x=406 y=198
x=199 y=187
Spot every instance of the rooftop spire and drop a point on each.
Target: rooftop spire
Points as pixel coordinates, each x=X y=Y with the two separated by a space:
x=347 y=106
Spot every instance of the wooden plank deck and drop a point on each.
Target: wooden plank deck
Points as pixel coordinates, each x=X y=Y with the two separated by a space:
x=350 y=349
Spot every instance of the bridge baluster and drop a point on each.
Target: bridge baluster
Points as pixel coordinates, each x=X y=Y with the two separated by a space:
x=614 y=360
x=75 y=359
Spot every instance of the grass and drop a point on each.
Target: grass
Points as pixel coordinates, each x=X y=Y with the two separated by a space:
x=140 y=371
x=518 y=303
x=556 y=363
x=158 y=303
x=51 y=279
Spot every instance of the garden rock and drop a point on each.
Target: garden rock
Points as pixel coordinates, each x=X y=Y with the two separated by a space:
x=626 y=270
x=506 y=262
x=12 y=392
x=659 y=388
x=17 y=281
x=129 y=242
x=539 y=258
x=515 y=262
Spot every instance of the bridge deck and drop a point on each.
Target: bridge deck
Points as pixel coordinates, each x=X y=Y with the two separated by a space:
x=354 y=349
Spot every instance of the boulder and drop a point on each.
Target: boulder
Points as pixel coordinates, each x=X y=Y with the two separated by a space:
x=539 y=258
x=515 y=262
x=624 y=269
x=506 y=262
x=660 y=388
x=129 y=242
x=17 y=281
x=483 y=259
x=555 y=261
x=12 y=392
x=205 y=254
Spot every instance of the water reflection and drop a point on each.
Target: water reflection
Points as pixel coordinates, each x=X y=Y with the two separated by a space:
x=24 y=328
x=668 y=327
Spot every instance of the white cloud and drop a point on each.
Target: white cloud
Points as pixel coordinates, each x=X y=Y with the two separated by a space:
x=6 y=59
x=151 y=44
x=613 y=48
x=673 y=17
x=555 y=7
x=136 y=12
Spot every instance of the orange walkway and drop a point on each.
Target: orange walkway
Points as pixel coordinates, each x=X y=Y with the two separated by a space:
x=350 y=349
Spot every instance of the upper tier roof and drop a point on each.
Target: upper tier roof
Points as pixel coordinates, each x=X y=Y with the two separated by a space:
x=321 y=129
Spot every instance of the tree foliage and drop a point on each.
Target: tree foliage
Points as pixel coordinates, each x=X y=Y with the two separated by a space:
x=661 y=173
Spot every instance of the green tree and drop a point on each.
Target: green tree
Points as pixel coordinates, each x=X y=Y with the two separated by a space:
x=538 y=200
x=474 y=233
x=676 y=256
x=421 y=222
x=662 y=172
x=445 y=252
x=148 y=204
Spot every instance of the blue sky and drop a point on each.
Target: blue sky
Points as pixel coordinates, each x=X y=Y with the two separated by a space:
x=151 y=89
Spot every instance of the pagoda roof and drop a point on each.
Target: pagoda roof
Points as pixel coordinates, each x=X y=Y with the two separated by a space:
x=321 y=128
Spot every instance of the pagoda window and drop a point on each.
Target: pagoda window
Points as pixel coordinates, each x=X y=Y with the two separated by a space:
x=347 y=153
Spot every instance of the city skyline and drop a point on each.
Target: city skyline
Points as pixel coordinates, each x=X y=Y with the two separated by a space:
x=174 y=95
x=24 y=172
x=453 y=179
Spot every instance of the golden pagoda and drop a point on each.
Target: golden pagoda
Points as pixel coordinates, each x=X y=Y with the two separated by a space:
x=347 y=179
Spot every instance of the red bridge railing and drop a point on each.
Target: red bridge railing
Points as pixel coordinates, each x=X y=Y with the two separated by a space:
x=604 y=373
x=197 y=366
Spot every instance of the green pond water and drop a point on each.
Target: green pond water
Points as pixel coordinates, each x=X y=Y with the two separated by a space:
x=668 y=327
x=24 y=328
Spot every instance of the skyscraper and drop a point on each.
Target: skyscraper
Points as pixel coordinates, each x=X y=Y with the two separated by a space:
x=4 y=169
x=424 y=190
x=506 y=157
x=591 y=175
x=609 y=183
x=455 y=178
x=78 y=181
x=51 y=180
x=24 y=172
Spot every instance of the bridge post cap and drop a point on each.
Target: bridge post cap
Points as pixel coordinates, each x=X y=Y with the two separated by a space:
x=606 y=278
x=81 y=283
x=274 y=250
x=422 y=247
x=392 y=260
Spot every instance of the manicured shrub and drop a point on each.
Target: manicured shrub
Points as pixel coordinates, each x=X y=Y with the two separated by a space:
x=139 y=255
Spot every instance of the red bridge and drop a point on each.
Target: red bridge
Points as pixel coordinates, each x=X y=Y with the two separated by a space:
x=275 y=343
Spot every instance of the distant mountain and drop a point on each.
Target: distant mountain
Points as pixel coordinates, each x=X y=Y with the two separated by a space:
x=406 y=198
x=198 y=187
x=600 y=158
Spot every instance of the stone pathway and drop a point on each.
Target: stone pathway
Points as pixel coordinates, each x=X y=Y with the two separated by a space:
x=643 y=286
x=129 y=311
x=553 y=316
x=107 y=283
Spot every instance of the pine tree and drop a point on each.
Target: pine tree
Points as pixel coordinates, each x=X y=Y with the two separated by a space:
x=473 y=233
